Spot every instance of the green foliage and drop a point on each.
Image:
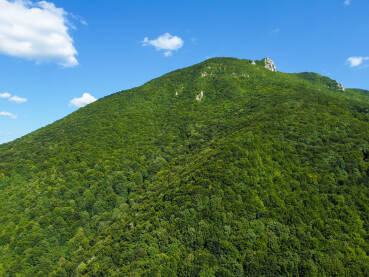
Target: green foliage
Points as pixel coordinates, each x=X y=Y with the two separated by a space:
x=267 y=175
x=318 y=79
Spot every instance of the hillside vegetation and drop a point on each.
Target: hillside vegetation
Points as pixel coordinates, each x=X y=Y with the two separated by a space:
x=264 y=174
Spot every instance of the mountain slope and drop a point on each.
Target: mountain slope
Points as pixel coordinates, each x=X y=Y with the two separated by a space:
x=221 y=169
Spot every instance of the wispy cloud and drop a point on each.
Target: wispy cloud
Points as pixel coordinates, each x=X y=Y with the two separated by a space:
x=79 y=18
x=14 y=98
x=18 y=100
x=36 y=31
x=83 y=22
x=165 y=42
x=356 y=61
x=5 y=95
x=7 y=114
x=82 y=101
x=347 y=2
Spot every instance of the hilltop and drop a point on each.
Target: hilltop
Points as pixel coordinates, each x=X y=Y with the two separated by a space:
x=225 y=168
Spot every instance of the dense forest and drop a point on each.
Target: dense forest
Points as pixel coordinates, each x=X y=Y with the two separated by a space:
x=223 y=168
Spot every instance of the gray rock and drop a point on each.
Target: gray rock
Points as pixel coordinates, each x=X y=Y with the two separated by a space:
x=269 y=64
x=200 y=96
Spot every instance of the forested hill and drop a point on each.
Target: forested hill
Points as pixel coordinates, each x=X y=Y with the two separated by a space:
x=224 y=168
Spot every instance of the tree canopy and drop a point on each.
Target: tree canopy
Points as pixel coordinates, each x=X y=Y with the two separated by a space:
x=265 y=175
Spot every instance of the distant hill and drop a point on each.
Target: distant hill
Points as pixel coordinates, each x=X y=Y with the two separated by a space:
x=224 y=168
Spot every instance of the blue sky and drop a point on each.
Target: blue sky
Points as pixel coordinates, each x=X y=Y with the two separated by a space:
x=62 y=50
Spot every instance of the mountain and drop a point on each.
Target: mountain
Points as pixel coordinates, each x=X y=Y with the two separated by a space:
x=224 y=168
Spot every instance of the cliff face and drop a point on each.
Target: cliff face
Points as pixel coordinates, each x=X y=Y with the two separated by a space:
x=269 y=64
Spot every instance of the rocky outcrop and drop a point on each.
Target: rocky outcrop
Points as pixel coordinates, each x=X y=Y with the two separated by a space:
x=269 y=64
x=200 y=96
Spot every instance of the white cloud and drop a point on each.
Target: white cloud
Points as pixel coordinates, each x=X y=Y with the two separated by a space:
x=36 y=31
x=85 y=99
x=167 y=53
x=14 y=98
x=13 y=116
x=165 y=42
x=18 y=100
x=356 y=61
x=347 y=2
x=5 y=95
